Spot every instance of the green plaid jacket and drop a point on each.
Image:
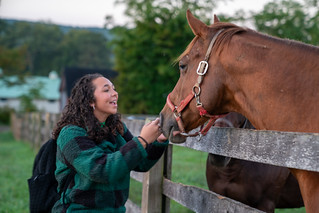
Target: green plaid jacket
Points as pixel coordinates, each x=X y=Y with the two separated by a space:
x=101 y=182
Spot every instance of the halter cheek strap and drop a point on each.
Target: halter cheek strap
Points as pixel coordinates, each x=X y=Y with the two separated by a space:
x=196 y=90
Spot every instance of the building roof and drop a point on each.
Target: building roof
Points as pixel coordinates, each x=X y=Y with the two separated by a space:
x=49 y=87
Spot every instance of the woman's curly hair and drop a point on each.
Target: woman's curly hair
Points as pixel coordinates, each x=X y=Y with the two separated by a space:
x=79 y=112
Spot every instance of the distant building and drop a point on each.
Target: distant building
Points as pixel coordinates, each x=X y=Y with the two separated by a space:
x=49 y=92
x=72 y=74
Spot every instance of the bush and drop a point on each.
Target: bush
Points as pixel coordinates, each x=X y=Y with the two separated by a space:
x=5 y=115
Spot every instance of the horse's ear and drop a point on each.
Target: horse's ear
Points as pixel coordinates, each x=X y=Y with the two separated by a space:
x=216 y=19
x=199 y=28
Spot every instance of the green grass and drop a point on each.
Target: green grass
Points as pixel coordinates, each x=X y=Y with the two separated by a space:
x=16 y=166
x=17 y=158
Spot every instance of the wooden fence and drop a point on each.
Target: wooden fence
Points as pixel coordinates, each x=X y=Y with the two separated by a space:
x=33 y=127
x=287 y=149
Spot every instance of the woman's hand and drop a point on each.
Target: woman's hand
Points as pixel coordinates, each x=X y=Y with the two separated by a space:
x=161 y=138
x=151 y=131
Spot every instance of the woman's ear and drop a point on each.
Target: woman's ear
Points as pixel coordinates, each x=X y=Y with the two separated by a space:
x=93 y=106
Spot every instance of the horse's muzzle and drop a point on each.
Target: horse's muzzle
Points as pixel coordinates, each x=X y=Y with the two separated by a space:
x=170 y=128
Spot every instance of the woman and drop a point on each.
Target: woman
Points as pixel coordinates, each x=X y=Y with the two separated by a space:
x=93 y=142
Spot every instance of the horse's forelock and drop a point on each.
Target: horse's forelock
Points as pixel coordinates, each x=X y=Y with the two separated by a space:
x=187 y=50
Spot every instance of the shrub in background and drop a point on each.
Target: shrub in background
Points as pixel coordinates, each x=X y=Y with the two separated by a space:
x=5 y=115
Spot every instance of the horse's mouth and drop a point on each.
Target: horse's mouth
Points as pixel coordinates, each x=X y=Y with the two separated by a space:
x=170 y=130
x=176 y=136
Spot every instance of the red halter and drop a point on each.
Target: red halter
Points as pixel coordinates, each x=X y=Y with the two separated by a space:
x=177 y=110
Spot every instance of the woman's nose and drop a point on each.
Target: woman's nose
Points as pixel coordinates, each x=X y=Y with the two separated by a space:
x=115 y=93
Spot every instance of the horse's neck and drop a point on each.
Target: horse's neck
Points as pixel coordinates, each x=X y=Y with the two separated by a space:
x=275 y=87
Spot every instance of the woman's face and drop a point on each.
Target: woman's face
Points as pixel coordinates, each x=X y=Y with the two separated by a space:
x=105 y=98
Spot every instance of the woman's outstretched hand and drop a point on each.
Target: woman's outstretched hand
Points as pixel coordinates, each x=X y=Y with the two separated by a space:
x=151 y=131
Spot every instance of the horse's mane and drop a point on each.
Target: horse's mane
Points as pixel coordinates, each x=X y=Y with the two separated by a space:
x=232 y=29
x=225 y=36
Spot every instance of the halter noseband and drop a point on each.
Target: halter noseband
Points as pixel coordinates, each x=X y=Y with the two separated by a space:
x=177 y=110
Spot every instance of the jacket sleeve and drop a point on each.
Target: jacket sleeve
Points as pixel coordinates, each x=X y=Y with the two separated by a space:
x=96 y=163
x=154 y=152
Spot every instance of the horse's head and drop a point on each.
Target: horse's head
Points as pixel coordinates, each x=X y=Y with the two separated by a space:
x=198 y=94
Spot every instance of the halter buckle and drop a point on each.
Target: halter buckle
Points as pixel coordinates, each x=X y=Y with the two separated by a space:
x=199 y=68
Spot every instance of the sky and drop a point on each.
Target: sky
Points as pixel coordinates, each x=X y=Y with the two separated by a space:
x=91 y=13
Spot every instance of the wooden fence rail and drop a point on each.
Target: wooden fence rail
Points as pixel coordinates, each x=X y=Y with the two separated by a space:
x=287 y=149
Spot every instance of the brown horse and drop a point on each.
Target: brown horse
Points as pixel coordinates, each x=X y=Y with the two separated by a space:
x=272 y=82
x=258 y=185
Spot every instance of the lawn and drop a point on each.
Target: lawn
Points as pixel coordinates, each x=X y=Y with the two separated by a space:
x=17 y=157
x=16 y=160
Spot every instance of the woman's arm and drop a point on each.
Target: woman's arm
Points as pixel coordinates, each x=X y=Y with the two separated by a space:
x=154 y=151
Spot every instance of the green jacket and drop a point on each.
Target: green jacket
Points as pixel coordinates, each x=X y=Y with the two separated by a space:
x=101 y=182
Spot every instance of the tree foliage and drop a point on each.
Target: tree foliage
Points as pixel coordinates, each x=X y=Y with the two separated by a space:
x=26 y=100
x=290 y=19
x=38 y=48
x=82 y=48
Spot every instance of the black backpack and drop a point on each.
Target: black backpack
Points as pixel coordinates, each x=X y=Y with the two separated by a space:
x=43 y=185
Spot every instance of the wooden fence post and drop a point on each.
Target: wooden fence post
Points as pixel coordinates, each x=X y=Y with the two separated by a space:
x=167 y=173
x=37 y=129
x=152 y=189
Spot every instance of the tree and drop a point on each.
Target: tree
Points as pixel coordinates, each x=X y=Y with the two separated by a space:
x=34 y=46
x=82 y=48
x=26 y=100
x=13 y=60
x=38 y=48
x=43 y=48
x=290 y=19
x=145 y=54
x=13 y=51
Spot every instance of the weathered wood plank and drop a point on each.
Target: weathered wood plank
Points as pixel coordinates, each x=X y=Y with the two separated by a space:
x=200 y=200
x=134 y=126
x=132 y=207
x=287 y=149
x=138 y=176
x=152 y=189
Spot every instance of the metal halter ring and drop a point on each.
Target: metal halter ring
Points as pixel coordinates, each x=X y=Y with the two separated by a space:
x=194 y=90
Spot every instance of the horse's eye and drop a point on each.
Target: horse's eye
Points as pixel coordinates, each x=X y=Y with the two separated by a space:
x=182 y=67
